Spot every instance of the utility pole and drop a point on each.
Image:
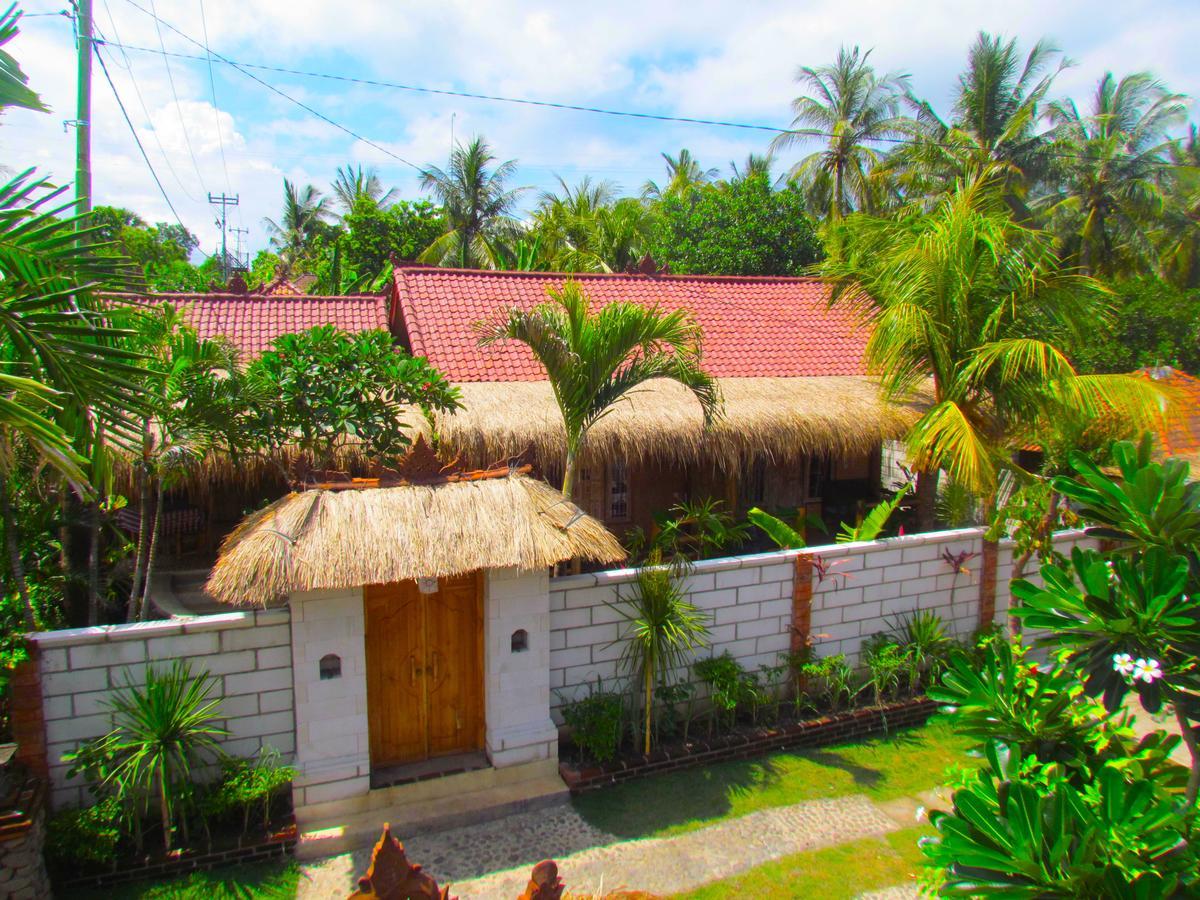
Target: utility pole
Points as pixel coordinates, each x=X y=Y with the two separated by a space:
x=224 y=202
x=237 y=254
x=83 y=111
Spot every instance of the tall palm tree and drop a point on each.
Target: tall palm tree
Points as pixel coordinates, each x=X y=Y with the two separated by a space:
x=567 y=223
x=353 y=184
x=1113 y=195
x=592 y=360
x=970 y=302
x=684 y=175
x=478 y=208
x=756 y=165
x=1001 y=99
x=1178 y=239
x=848 y=107
x=305 y=210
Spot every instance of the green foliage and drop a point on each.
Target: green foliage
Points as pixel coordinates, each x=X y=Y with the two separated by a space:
x=742 y=227
x=593 y=359
x=886 y=663
x=14 y=84
x=828 y=679
x=926 y=645
x=730 y=686
x=161 y=251
x=247 y=785
x=663 y=627
x=696 y=529
x=1019 y=829
x=164 y=729
x=373 y=233
x=780 y=532
x=596 y=722
x=1041 y=710
x=874 y=521
x=1154 y=323
x=1150 y=504
x=320 y=387
x=90 y=835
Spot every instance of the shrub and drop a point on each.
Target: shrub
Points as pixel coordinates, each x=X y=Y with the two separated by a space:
x=729 y=686
x=90 y=835
x=926 y=646
x=829 y=678
x=247 y=785
x=596 y=723
x=886 y=663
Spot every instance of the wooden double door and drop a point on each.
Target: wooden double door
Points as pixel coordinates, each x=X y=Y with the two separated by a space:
x=424 y=669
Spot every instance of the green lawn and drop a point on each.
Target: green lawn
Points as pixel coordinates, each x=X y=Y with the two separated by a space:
x=262 y=880
x=835 y=873
x=898 y=765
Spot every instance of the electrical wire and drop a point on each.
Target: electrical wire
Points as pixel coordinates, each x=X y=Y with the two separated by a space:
x=178 y=108
x=212 y=84
x=137 y=140
x=571 y=107
x=281 y=93
x=137 y=91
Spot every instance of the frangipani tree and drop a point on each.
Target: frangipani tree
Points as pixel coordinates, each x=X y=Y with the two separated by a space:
x=593 y=359
x=971 y=304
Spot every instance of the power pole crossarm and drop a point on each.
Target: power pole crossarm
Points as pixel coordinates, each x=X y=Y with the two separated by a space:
x=224 y=202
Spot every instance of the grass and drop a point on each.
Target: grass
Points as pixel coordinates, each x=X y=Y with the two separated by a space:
x=835 y=873
x=260 y=880
x=898 y=765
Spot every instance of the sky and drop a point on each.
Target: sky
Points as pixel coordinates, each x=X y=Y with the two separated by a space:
x=214 y=130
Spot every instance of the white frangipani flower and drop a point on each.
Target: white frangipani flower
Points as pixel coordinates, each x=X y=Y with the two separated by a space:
x=1147 y=669
x=1123 y=663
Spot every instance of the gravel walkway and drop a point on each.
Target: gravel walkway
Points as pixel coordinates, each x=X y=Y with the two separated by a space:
x=493 y=860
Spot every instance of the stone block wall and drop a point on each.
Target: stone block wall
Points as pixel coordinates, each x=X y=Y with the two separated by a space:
x=857 y=590
x=22 y=837
x=81 y=669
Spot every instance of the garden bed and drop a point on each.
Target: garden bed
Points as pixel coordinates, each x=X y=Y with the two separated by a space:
x=827 y=729
x=278 y=844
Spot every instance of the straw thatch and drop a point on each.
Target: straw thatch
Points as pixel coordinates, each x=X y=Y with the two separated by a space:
x=322 y=539
x=783 y=419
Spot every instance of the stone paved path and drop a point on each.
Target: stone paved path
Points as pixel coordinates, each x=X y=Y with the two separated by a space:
x=492 y=860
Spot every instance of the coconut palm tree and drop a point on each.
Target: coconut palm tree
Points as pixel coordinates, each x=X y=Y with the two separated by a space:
x=305 y=210
x=847 y=108
x=1000 y=100
x=968 y=302
x=684 y=175
x=1113 y=195
x=567 y=223
x=354 y=183
x=478 y=208
x=1178 y=239
x=592 y=360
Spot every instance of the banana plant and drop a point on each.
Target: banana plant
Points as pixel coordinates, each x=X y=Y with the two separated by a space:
x=874 y=521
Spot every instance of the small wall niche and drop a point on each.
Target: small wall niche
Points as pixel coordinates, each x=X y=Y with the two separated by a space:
x=330 y=666
x=520 y=640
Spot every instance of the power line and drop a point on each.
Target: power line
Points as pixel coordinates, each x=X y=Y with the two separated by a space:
x=548 y=104
x=137 y=140
x=137 y=91
x=178 y=109
x=212 y=84
x=271 y=87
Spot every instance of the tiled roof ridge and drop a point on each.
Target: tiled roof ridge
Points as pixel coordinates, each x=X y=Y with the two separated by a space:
x=404 y=271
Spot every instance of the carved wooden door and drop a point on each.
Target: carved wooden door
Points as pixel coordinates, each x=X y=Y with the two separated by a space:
x=424 y=655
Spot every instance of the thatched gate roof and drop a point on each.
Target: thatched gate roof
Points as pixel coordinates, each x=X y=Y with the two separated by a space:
x=328 y=539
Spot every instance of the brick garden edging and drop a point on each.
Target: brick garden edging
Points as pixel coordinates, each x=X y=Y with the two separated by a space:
x=860 y=723
x=278 y=846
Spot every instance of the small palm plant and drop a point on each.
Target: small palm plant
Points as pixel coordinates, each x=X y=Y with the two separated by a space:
x=664 y=626
x=592 y=360
x=163 y=730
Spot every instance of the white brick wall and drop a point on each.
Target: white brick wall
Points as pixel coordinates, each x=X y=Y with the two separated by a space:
x=81 y=669
x=869 y=588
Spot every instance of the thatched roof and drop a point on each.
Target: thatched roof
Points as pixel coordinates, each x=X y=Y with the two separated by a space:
x=326 y=539
x=781 y=418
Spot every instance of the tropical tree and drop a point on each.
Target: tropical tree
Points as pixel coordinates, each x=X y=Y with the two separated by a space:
x=592 y=360
x=353 y=184
x=566 y=224
x=1113 y=195
x=477 y=205
x=684 y=174
x=14 y=84
x=848 y=108
x=304 y=214
x=1001 y=99
x=969 y=304
x=663 y=627
x=1178 y=238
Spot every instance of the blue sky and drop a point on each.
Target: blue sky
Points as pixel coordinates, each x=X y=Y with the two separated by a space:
x=701 y=59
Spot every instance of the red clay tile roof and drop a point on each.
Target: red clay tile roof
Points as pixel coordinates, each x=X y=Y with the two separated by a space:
x=252 y=322
x=753 y=327
x=1180 y=434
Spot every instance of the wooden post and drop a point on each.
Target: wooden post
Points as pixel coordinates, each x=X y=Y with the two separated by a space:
x=987 y=583
x=802 y=591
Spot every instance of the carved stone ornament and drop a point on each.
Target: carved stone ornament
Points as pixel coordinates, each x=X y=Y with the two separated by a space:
x=392 y=877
